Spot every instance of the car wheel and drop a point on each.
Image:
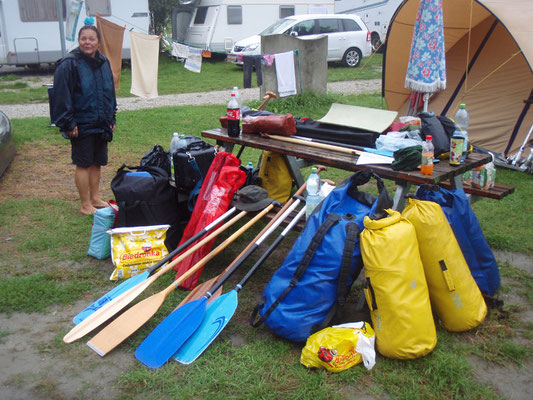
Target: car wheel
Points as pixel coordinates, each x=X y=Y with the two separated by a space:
x=352 y=57
x=376 y=44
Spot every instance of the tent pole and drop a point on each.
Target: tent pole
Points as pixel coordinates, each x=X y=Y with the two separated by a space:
x=61 y=27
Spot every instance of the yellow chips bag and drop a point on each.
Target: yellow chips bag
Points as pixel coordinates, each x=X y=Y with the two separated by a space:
x=135 y=249
x=340 y=347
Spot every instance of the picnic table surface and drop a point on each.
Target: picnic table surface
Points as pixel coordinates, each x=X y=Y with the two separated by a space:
x=442 y=170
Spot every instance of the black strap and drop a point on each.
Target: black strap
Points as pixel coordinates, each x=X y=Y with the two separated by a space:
x=372 y=294
x=330 y=221
x=352 y=233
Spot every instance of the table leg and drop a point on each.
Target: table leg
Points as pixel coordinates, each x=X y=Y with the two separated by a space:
x=225 y=146
x=399 y=195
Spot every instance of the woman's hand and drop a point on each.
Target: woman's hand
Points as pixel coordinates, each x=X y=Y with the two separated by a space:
x=112 y=126
x=73 y=133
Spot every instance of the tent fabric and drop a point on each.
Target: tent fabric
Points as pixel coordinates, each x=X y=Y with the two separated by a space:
x=499 y=82
x=111 y=45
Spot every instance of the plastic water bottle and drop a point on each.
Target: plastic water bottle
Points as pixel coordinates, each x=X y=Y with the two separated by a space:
x=428 y=151
x=182 y=143
x=234 y=117
x=173 y=148
x=462 y=119
x=313 y=188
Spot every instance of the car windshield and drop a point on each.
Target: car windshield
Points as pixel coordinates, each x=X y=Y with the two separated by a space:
x=277 y=27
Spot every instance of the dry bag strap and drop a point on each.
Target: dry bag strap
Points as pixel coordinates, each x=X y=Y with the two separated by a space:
x=196 y=190
x=331 y=220
x=352 y=233
x=447 y=276
x=370 y=295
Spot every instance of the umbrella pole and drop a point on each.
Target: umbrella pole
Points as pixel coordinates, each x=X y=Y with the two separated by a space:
x=426 y=101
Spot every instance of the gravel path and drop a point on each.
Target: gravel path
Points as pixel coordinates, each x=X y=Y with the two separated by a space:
x=216 y=97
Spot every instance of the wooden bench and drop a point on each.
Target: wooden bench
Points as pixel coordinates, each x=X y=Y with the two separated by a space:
x=498 y=192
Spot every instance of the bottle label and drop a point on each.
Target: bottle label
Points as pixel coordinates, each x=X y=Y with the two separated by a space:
x=234 y=114
x=427 y=159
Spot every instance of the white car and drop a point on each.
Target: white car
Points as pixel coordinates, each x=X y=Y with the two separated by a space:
x=348 y=36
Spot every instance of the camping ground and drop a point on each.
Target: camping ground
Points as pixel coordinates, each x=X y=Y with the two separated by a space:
x=47 y=278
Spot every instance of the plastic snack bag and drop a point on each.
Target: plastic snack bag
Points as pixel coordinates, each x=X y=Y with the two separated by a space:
x=340 y=347
x=135 y=249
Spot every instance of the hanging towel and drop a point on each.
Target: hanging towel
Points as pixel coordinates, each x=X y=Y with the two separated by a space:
x=179 y=50
x=194 y=61
x=144 y=64
x=112 y=36
x=285 y=74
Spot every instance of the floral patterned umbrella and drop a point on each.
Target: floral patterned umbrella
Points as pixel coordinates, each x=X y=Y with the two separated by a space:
x=426 y=71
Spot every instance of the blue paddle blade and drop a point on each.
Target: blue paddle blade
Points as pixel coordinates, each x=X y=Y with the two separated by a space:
x=171 y=333
x=112 y=294
x=217 y=316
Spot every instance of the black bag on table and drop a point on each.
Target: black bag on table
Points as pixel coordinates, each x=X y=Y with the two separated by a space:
x=334 y=133
x=191 y=165
x=145 y=197
x=157 y=157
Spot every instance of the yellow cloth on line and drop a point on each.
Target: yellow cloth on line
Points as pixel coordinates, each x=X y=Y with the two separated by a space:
x=112 y=36
x=144 y=64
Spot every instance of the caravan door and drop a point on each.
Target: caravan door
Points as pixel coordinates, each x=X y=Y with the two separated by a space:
x=203 y=26
x=26 y=50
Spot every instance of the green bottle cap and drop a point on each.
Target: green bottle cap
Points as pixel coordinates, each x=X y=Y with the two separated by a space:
x=313 y=169
x=462 y=105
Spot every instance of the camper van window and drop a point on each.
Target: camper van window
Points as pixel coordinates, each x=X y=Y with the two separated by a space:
x=94 y=7
x=234 y=15
x=328 y=26
x=286 y=11
x=350 y=25
x=201 y=13
x=39 y=10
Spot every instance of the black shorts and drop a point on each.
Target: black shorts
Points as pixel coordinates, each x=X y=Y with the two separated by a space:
x=89 y=149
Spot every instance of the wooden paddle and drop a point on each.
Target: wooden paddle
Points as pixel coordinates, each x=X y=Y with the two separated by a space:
x=135 y=317
x=199 y=291
x=101 y=315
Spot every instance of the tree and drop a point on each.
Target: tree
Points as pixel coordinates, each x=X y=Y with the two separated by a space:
x=161 y=11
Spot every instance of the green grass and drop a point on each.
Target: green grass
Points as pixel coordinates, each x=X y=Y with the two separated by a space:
x=173 y=78
x=47 y=242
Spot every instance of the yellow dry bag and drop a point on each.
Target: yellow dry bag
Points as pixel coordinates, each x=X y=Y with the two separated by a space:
x=395 y=289
x=275 y=176
x=454 y=294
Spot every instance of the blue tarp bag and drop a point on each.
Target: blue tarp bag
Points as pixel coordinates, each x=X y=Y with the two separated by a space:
x=100 y=244
x=307 y=291
x=469 y=235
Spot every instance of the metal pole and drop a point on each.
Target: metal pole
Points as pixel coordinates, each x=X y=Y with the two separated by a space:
x=61 y=27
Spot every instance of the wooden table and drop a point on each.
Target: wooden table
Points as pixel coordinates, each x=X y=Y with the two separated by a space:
x=442 y=171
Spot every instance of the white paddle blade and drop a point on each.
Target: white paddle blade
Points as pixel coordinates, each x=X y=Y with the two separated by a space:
x=217 y=316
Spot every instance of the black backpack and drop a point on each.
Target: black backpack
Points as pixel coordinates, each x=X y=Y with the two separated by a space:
x=145 y=197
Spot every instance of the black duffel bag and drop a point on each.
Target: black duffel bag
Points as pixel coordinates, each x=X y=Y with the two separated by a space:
x=145 y=197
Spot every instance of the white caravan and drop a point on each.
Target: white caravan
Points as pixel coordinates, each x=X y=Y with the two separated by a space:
x=218 y=24
x=375 y=13
x=30 y=31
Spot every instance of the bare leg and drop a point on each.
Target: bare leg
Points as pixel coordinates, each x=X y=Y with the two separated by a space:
x=94 y=184
x=81 y=178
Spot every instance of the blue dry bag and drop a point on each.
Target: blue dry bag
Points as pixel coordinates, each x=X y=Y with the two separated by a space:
x=305 y=293
x=100 y=244
x=467 y=230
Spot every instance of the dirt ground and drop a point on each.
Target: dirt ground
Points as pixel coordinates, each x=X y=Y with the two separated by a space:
x=32 y=369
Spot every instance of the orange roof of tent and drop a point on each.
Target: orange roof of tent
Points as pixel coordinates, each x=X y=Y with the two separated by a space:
x=498 y=52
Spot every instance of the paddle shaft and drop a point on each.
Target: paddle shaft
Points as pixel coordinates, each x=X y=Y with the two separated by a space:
x=111 y=308
x=255 y=245
x=270 y=249
x=192 y=239
x=317 y=145
x=201 y=289
x=135 y=317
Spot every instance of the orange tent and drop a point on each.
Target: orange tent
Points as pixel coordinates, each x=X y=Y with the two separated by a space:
x=489 y=66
